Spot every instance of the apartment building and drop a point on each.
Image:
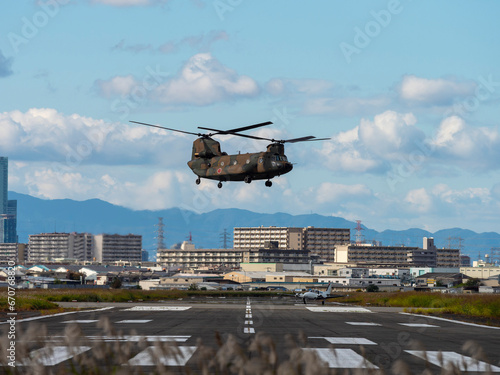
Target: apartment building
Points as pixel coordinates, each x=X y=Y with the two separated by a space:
x=109 y=248
x=192 y=258
x=12 y=252
x=319 y=241
x=50 y=246
x=104 y=248
x=427 y=256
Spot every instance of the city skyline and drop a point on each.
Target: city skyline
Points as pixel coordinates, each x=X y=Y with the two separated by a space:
x=410 y=106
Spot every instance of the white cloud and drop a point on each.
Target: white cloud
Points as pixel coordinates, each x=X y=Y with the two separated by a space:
x=348 y=106
x=419 y=200
x=68 y=141
x=434 y=91
x=329 y=192
x=374 y=143
x=390 y=134
x=117 y=86
x=203 y=80
x=469 y=147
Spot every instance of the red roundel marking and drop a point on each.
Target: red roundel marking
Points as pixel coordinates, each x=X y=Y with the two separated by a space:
x=219 y=170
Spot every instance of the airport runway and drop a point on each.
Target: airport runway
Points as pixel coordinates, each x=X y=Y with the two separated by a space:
x=343 y=337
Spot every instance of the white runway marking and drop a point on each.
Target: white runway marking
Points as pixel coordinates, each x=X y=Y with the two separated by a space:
x=80 y=321
x=131 y=338
x=248 y=330
x=342 y=358
x=135 y=321
x=346 y=340
x=53 y=356
x=158 y=308
x=248 y=316
x=451 y=320
x=417 y=325
x=363 y=324
x=337 y=309
x=248 y=321
x=451 y=358
x=177 y=358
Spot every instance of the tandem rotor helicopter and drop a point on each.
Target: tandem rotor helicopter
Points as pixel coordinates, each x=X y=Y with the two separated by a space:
x=207 y=160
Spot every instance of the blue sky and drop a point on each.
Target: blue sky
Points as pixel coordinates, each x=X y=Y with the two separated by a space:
x=408 y=92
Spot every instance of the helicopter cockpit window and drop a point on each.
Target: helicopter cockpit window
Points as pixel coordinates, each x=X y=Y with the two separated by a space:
x=279 y=158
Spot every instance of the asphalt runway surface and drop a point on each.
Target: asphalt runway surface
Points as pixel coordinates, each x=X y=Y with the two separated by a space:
x=342 y=336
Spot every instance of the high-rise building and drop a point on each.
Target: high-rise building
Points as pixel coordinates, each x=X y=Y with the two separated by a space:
x=8 y=209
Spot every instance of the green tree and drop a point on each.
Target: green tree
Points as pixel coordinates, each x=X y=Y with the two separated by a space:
x=116 y=283
x=372 y=288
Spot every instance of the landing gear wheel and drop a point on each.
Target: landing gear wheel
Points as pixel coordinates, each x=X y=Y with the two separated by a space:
x=198 y=181
x=269 y=183
x=219 y=185
x=248 y=179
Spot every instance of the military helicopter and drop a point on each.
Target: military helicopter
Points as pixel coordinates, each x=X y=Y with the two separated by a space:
x=207 y=160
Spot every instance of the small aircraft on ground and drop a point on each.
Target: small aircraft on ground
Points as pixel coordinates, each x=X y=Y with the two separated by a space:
x=318 y=295
x=208 y=161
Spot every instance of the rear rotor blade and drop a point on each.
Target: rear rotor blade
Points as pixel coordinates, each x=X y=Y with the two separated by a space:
x=301 y=139
x=162 y=127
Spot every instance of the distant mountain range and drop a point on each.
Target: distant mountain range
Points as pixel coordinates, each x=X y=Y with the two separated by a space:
x=96 y=216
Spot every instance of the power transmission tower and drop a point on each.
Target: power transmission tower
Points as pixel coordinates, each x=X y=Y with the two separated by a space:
x=160 y=234
x=225 y=238
x=359 y=236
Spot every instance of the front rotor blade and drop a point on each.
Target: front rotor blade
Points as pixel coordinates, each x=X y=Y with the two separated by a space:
x=236 y=130
x=162 y=127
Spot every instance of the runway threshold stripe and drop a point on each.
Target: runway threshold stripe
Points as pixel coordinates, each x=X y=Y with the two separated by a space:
x=127 y=338
x=338 y=309
x=138 y=321
x=451 y=320
x=342 y=358
x=158 y=308
x=53 y=355
x=419 y=325
x=448 y=359
x=150 y=355
x=346 y=340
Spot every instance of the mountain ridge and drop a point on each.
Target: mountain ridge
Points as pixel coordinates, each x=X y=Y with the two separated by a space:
x=96 y=216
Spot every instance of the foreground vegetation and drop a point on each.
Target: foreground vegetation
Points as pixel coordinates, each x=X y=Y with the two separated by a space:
x=230 y=354
x=486 y=307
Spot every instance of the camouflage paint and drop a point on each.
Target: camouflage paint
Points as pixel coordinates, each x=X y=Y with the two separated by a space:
x=209 y=162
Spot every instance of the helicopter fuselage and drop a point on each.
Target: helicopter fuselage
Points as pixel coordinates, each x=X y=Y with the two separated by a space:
x=241 y=167
x=207 y=161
